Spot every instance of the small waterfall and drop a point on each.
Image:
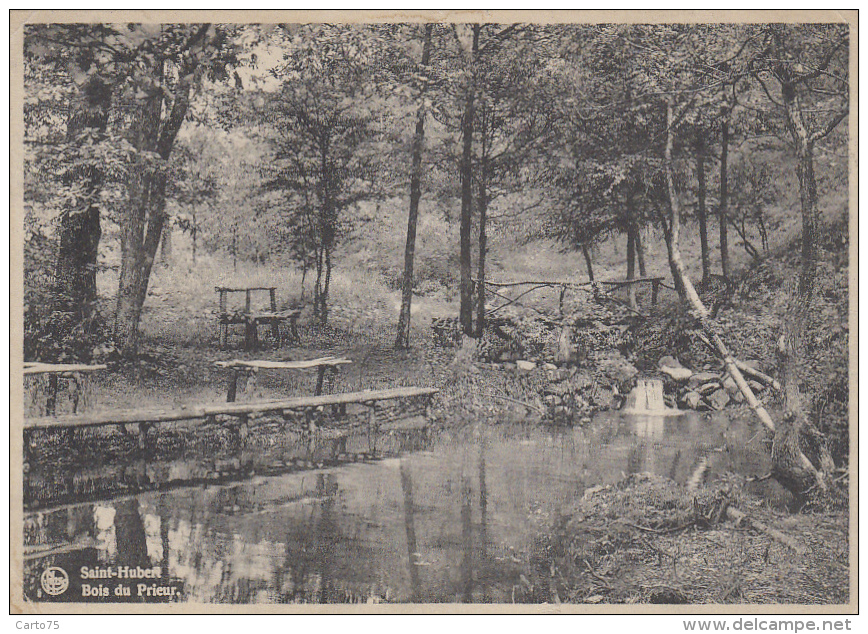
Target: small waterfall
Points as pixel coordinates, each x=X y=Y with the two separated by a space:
x=654 y=395
x=647 y=398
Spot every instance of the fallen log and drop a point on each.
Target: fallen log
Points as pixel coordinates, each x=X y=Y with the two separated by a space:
x=737 y=516
x=529 y=406
x=759 y=376
x=746 y=369
x=57 y=368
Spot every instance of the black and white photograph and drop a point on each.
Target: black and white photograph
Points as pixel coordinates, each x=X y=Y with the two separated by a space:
x=472 y=311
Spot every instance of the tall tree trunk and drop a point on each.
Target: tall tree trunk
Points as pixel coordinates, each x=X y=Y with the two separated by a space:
x=480 y=264
x=193 y=233
x=166 y=245
x=790 y=343
x=482 y=202
x=326 y=231
x=466 y=307
x=317 y=287
x=631 y=254
x=640 y=251
x=631 y=251
x=631 y=268
x=701 y=211
x=324 y=296
x=80 y=230
x=139 y=243
x=722 y=212
x=139 y=224
x=403 y=339
x=143 y=226
x=588 y=264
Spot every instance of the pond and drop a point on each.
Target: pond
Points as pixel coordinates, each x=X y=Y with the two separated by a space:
x=445 y=515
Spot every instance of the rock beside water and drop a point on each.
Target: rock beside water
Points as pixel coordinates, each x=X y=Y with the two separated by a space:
x=679 y=374
x=706 y=389
x=719 y=399
x=701 y=378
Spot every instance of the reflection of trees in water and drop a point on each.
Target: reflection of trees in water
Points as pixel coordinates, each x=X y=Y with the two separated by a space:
x=480 y=570
x=486 y=571
x=322 y=564
x=309 y=549
x=466 y=588
x=130 y=535
x=410 y=529
x=164 y=514
x=268 y=453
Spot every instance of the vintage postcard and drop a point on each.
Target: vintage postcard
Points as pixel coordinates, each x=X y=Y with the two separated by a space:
x=434 y=311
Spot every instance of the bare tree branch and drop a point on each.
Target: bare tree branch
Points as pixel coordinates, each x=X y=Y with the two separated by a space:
x=819 y=134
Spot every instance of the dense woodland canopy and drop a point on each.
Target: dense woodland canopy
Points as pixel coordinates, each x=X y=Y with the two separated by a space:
x=279 y=143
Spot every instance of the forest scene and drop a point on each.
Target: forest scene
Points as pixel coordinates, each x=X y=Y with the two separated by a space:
x=438 y=312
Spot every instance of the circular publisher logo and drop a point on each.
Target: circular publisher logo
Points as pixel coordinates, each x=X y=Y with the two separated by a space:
x=54 y=581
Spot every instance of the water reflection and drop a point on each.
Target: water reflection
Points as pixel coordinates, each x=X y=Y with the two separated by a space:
x=429 y=516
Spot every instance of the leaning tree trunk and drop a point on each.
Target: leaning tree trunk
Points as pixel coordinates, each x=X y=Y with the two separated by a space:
x=667 y=239
x=707 y=322
x=403 y=339
x=466 y=307
x=80 y=230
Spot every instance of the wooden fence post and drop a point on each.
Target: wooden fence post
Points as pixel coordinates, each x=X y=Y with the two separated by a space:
x=275 y=324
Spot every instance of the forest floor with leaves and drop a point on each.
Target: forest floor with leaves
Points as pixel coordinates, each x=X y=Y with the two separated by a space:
x=649 y=540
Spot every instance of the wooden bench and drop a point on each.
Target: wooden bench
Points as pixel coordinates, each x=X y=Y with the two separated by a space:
x=240 y=412
x=253 y=319
x=248 y=368
x=55 y=371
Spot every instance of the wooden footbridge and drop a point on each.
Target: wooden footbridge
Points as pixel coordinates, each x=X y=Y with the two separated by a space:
x=240 y=412
x=303 y=413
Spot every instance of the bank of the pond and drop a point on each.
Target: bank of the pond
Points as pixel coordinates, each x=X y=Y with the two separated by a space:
x=648 y=539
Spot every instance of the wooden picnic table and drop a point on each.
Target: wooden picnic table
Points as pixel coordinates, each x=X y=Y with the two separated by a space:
x=55 y=371
x=239 y=366
x=252 y=319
